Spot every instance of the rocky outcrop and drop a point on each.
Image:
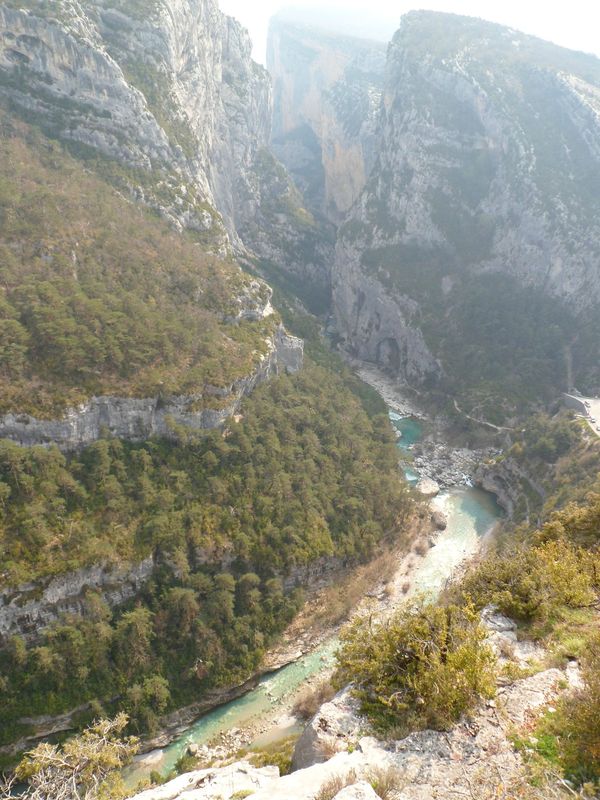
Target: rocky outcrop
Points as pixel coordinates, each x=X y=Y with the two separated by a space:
x=487 y=158
x=27 y=609
x=327 y=91
x=475 y=758
x=335 y=722
x=517 y=490
x=238 y=780
x=137 y=419
x=439 y=520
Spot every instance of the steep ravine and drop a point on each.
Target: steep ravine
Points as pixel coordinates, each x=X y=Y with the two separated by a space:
x=473 y=199
x=263 y=713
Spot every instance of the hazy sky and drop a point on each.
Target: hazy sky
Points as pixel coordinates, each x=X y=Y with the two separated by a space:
x=571 y=23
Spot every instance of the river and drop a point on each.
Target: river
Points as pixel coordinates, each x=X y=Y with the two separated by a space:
x=471 y=513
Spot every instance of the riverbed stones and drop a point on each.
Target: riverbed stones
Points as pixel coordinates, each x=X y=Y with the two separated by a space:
x=428 y=487
x=448 y=466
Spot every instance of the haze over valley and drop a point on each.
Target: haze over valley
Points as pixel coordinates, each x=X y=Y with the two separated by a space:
x=299 y=416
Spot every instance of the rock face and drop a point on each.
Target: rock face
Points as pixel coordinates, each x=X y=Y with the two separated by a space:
x=239 y=779
x=138 y=419
x=167 y=95
x=488 y=156
x=327 y=92
x=475 y=758
x=29 y=608
x=512 y=484
x=336 y=721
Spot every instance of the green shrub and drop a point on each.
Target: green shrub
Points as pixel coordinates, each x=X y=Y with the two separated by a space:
x=578 y=721
x=423 y=668
x=533 y=583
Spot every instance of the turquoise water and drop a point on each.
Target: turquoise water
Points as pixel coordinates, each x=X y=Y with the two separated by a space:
x=471 y=513
x=411 y=430
x=270 y=691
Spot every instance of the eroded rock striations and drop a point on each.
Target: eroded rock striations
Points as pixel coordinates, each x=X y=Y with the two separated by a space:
x=327 y=91
x=165 y=99
x=488 y=165
x=27 y=609
x=137 y=419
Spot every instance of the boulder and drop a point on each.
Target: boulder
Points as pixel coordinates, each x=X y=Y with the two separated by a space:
x=427 y=487
x=439 y=520
x=333 y=726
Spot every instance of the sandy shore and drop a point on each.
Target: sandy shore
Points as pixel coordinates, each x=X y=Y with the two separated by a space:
x=397 y=396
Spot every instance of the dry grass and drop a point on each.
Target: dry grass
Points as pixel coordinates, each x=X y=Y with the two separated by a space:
x=335 y=603
x=334 y=785
x=387 y=782
x=311 y=699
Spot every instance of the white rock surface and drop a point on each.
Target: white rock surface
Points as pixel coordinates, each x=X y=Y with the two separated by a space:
x=335 y=725
x=213 y=783
x=427 y=487
x=358 y=791
x=505 y=642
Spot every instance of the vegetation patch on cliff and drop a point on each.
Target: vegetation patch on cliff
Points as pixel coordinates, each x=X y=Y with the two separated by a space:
x=422 y=669
x=549 y=581
x=99 y=297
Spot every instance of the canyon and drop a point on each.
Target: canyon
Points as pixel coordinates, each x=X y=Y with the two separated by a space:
x=426 y=211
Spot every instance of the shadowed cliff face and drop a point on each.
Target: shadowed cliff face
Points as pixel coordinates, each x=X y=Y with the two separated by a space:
x=476 y=238
x=327 y=92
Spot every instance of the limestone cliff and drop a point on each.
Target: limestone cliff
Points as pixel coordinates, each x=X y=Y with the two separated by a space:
x=165 y=99
x=27 y=609
x=327 y=92
x=484 y=192
x=137 y=419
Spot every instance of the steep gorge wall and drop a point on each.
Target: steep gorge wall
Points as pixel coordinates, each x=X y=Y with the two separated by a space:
x=27 y=609
x=327 y=91
x=487 y=163
x=137 y=419
x=168 y=97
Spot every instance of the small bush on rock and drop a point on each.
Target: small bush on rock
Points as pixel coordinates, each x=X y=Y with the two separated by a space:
x=334 y=785
x=387 y=782
x=421 y=669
